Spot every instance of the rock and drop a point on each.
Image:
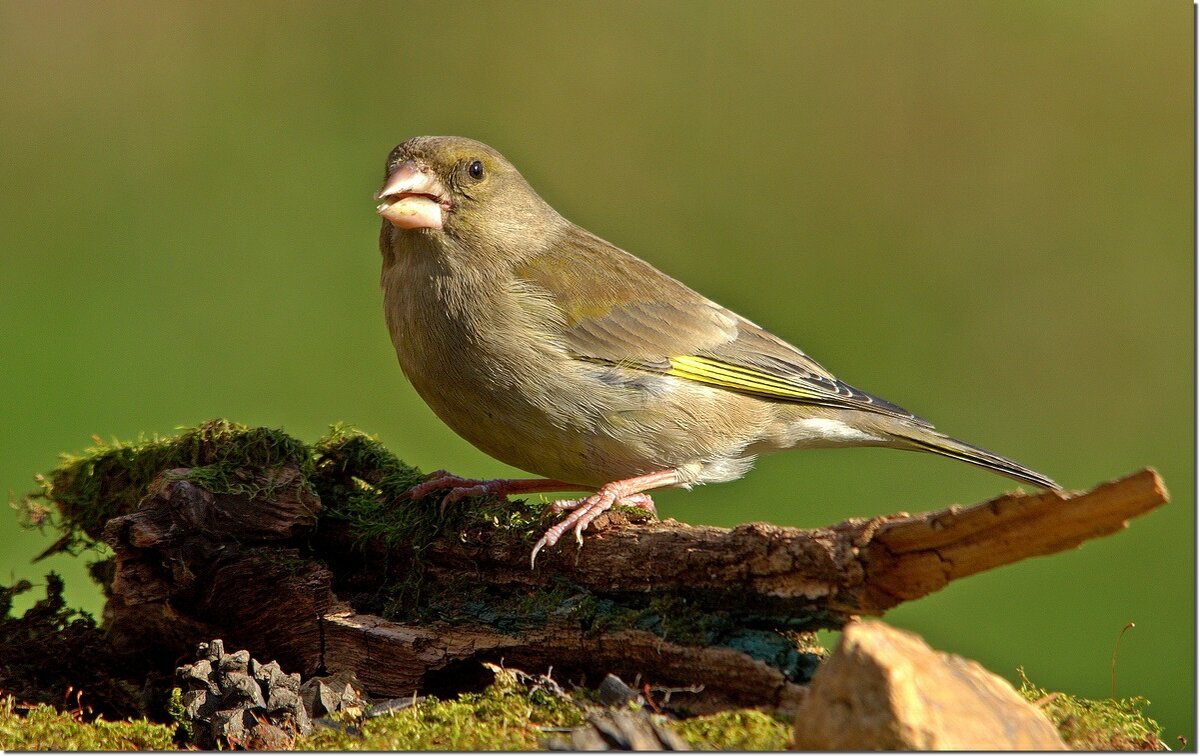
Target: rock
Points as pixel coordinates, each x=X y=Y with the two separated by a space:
x=884 y=688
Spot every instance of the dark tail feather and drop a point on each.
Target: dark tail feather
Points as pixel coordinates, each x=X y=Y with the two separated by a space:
x=955 y=449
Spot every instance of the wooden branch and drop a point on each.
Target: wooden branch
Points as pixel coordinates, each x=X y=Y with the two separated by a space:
x=911 y=557
x=268 y=568
x=792 y=577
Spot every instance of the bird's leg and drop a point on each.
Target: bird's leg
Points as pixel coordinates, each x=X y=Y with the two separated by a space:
x=638 y=500
x=630 y=492
x=459 y=488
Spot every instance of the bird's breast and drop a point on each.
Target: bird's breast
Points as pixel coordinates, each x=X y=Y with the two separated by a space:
x=483 y=358
x=488 y=357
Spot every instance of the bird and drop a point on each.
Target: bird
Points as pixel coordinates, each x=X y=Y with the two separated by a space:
x=561 y=354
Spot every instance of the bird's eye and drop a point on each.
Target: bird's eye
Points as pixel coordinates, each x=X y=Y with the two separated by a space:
x=475 y=169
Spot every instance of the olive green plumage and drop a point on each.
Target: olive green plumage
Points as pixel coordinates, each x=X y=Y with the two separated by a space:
x=558 y=353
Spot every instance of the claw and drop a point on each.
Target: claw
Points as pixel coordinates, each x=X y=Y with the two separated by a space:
x=629 y=492
x=462 y=492
x=434 y=481
x=585 y=510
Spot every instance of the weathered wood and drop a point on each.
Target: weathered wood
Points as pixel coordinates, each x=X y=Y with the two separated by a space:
x=674 y=604
x=396 y=658
x=910 y=557
x=193 y=565
x=779 y=576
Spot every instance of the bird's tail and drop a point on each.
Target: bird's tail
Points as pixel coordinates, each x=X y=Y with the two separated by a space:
x=938 y=443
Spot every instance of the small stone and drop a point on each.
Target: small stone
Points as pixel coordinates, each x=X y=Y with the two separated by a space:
x=198 y=671
x=886 y=689
x=582 y=739
x=285 y=705
x=625 y=730
x=328 y=698
x=265 y=737
x=300 y=720
x=197 y=676
x=242 y=687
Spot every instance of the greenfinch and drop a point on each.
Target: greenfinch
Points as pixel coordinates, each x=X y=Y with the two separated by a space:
x=560 y=354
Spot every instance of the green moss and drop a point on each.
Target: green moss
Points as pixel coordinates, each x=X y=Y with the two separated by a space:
x=41 y=728
x=362 y=483
x=1103 y=725
x=177 y=713
x=109 y=479
x=509 y=716
x=678 y=620
x=737 y=730
x=359 y=481
x=505 y=716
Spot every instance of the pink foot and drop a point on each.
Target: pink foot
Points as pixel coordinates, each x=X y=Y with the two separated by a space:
x=436 y=481
x=584 y=511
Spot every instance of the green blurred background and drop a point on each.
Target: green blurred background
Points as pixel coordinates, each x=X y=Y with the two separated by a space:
x=981 y=211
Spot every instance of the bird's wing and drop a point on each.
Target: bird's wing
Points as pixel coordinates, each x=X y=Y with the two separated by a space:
x=620 y=310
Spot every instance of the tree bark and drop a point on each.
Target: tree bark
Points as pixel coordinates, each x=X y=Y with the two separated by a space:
x=675 y=604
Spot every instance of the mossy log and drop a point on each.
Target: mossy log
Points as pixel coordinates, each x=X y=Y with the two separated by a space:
x=318 y=561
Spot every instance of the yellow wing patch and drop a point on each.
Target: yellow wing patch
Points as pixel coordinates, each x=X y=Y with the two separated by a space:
x=739 y=378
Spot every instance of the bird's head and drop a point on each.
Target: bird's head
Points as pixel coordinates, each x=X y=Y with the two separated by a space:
x=458 y=188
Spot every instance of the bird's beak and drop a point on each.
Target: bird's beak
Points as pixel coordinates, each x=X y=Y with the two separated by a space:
x=413 y=198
